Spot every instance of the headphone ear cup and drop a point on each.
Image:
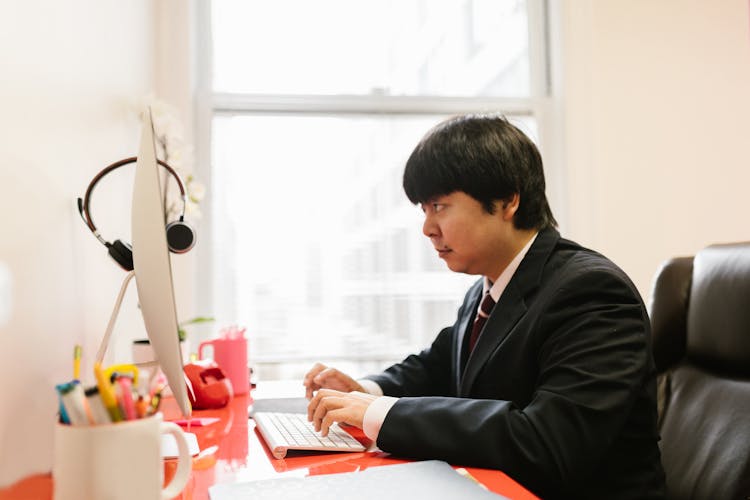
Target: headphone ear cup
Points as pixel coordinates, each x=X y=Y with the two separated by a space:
x=180 y=236
x=122 y=253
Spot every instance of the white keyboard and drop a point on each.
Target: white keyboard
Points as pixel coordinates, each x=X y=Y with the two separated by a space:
x=292 y=431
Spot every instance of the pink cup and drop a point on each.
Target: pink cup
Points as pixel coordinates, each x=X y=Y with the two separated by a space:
x=231 y=356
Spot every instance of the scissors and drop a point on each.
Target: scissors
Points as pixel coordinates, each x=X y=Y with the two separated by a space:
x=124 y=368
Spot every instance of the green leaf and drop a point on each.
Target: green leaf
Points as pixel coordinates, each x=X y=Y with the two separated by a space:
x=197 y=319
x=182 y=334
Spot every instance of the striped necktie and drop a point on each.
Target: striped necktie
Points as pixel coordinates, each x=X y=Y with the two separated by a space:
x=484 y=311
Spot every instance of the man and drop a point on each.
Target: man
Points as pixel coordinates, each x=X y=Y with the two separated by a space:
x=557 y=387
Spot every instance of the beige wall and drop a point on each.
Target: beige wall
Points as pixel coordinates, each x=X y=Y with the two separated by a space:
x=74 y=77
x=657 y=100
x=71 y=74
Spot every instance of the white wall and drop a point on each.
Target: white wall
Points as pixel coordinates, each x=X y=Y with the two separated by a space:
x=71 y=73
x=657 y=100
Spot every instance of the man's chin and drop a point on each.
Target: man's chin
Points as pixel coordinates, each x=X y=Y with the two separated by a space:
x=459 y=267
x=454 y=266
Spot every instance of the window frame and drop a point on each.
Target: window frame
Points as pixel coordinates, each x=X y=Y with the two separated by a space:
x=543 y=105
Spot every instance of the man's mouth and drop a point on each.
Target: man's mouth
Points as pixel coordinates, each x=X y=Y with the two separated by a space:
x=443 y=251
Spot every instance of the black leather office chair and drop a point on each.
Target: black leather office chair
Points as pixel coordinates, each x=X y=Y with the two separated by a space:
x=700 y=316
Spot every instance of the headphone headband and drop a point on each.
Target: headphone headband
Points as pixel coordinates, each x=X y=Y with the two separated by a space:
x=180 y=235
x=83 y=205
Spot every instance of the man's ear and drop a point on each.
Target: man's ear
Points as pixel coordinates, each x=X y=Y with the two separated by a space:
x=510 y=206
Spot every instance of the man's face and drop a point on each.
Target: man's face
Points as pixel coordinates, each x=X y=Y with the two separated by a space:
x=466 y=237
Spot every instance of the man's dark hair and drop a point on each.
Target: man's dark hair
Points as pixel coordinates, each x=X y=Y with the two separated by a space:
x=485 y=157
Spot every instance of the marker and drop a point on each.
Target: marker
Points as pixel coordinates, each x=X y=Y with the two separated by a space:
x=125 y=392
x=141 y=407
x=107 y=393
x=64 y=419
x=74 y=402
x=98 y=411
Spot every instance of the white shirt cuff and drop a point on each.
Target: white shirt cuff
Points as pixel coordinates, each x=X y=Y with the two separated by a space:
x=371 y=387
x=375 y=416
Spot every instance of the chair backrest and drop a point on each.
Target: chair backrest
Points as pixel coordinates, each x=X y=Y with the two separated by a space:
x=700 y=316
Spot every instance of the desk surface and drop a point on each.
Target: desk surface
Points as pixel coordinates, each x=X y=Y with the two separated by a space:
x=232 y=450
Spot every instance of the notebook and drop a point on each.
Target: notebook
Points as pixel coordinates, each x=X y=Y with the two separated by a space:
x=169 y=445
x=428 y=479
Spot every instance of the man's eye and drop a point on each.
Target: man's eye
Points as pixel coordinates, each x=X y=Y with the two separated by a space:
x=437 y=207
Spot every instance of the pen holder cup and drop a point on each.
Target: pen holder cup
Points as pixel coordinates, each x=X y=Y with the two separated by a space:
x=231 y=356
x=119 y=461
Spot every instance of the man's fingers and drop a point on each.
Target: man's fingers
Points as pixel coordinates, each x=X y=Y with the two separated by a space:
x=322 y=376
x=317 y=368
x=325 y=406
x=338 y=415
x=328 y=406
x=312 y=405
x=309 y=380
x=316 y=400
x=313 y=372
x=327 y=376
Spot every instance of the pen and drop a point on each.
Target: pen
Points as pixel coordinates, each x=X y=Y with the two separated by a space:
x=98 y=411
x=107 y=393
x=77 y=361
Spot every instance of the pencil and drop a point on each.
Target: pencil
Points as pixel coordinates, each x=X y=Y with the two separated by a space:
x=77 y=361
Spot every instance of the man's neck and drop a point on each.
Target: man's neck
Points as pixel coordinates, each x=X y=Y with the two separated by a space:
x=521 y=239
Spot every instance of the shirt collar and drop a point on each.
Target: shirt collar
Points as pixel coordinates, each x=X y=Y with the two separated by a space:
x=496 y=289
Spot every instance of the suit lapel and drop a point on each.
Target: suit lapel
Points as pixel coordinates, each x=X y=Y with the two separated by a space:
x=464 y=326
x=504 y=316
x=509 y=309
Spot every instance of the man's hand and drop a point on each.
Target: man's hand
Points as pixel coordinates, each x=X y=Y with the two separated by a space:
x=329 y=406
x=322 y=377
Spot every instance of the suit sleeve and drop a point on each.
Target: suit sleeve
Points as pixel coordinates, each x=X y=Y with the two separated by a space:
x=592 y=352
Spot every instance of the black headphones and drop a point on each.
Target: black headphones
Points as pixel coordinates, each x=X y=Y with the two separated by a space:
x=180 y=235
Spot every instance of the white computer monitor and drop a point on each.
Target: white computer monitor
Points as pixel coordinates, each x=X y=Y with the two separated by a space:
x=152 y=266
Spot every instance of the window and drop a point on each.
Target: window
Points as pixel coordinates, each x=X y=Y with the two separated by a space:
x=314 y=109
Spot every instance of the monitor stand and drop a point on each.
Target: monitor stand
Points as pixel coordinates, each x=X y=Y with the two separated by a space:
x=113 y=317
x=167 y=445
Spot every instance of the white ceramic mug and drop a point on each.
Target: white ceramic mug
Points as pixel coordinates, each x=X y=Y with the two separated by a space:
x=117 y=461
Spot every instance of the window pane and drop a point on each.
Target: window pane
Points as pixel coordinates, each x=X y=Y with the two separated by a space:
x=392 y=47
x=317 y=250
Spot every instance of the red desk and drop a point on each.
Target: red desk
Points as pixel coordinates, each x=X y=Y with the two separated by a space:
x=234 y=451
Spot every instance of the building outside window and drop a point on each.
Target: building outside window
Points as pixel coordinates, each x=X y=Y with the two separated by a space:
x=313 y=110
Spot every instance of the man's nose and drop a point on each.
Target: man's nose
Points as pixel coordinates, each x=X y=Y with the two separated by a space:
x=429 y=228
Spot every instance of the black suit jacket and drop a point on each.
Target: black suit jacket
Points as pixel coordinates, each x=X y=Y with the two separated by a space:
x=559 y=392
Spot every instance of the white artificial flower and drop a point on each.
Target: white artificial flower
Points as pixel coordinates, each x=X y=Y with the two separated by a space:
x=177 y=153
x=196 y=190
x=192 y=209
